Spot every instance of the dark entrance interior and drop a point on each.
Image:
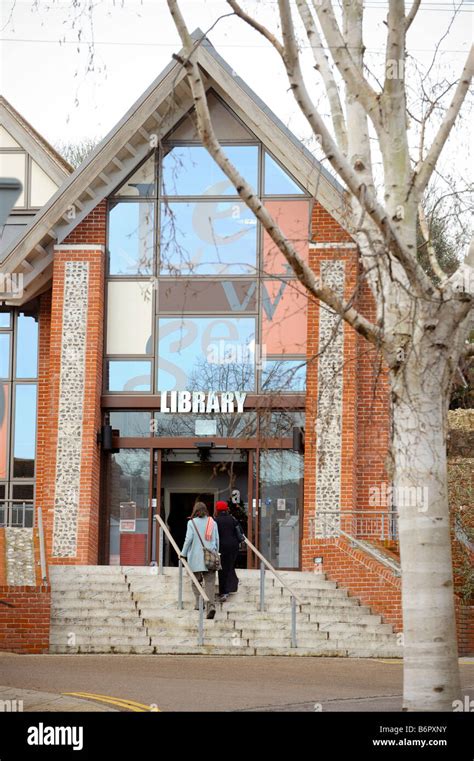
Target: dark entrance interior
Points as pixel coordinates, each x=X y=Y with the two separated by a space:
x=181 y=507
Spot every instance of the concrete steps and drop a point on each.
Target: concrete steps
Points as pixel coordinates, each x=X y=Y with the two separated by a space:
x=112 y=609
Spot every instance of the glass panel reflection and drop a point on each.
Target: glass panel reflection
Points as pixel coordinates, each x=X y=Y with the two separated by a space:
x=277 y=181
x=4 y=355
x=284 y=375
x=4 y=406
x=202 y=353
x=226 y=425
x=128 y=375
x=281 y=483
x=131 y=238
x=191 y=171
x=27 y=347
x=208 y=238
x=142 y=182
x=129 y=479
x=24 y=441
x=284 y=307
x=131 y=423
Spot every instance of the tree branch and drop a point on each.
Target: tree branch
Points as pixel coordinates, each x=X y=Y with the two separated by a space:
x=411 y=16
x=435 y=265
x=425 y=168
x=206 y=131
x=322 y=65
x=353 y=77
x=256 y=25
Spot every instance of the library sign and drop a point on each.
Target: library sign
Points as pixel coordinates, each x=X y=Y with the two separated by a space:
x=203 y=402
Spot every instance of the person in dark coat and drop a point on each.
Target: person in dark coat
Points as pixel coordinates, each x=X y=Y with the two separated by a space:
x=230 y=536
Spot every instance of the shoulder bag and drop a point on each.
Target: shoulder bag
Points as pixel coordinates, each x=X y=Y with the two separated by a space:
x=212 y=559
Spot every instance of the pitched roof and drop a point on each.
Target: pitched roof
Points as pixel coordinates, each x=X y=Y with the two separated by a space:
x=156 y=112
x=31 y=140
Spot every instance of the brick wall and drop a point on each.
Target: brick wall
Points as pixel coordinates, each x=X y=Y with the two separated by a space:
x=90 y=232
x=366 y=578
x=25 y=619
x=465 y=628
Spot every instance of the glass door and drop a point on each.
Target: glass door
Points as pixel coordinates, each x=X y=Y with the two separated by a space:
x=280 y=506
x=129 y=506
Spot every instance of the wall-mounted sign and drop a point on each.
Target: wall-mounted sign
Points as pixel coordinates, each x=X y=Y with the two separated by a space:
x=205 y=427
x=281 y=504
x=202 y=401
x=127 y=526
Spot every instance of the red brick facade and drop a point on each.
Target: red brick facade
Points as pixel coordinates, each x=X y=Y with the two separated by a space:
x=91 y=232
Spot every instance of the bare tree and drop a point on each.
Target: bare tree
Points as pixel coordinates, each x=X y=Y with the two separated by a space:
x=421 y=322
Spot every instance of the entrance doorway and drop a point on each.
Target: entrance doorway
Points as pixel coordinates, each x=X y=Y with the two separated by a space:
x=264 y=490
x=180 y=506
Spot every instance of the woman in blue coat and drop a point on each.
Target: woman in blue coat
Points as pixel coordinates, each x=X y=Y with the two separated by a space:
x=194 y=553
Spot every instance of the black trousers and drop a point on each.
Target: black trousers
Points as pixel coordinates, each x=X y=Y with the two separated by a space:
x=228 y=579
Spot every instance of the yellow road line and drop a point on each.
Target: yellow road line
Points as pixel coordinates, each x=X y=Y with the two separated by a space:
x=132 y=705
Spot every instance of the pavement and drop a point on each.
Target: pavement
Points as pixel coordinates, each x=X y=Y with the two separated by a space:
x=135 y=683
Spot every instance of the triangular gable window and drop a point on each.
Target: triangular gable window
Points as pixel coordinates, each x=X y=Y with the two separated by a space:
x=277 y=181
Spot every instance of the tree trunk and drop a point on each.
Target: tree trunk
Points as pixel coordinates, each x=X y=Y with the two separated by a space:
x=431 y=671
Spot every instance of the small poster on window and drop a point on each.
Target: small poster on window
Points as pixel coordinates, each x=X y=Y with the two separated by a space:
x=205 y=427
x=281 y=504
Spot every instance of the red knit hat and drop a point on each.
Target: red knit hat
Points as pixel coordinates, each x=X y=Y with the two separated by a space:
x=221 y=505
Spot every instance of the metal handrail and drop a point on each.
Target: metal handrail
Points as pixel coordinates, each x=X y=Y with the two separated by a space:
x=183 y=562
x=294 y=598
x=9 y=505
x=268 y=565
x=365 y=547
x=264 y=563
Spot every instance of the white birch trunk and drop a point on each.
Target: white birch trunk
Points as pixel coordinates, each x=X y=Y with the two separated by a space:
x=431 y=673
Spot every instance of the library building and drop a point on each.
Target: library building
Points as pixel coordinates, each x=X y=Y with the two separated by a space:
x=156 y=350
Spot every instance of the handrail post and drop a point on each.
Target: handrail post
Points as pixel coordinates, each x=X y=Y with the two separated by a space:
x=262 y=586
x=161 y=551
x=201 y=622
x=41 y=544
x=293 y=622
x=180 y=586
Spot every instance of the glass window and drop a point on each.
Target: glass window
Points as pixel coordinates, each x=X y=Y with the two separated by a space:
x=142 y=182
x=129 y=472
x=4 y=406
x=278 y=425
x=14 y=165
x=5 y=319
x=27 y=347
x=25 y=431
x=129 y=317
x=42 y=187
x=131 y=423
x=293 y=219
x=131 y=238
x=128 y=375
x=227 y=426
x=208 y=238
x=277 y=181
x=191 y=171
x=199 y=353
x=188 y=295
x=4 y=355
x=281 y=478
x=284 y=307
x=284 y=375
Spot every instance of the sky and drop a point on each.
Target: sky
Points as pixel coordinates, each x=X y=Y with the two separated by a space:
x=50 y=78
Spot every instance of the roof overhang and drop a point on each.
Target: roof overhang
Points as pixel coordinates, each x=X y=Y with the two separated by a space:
x=155 y=113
